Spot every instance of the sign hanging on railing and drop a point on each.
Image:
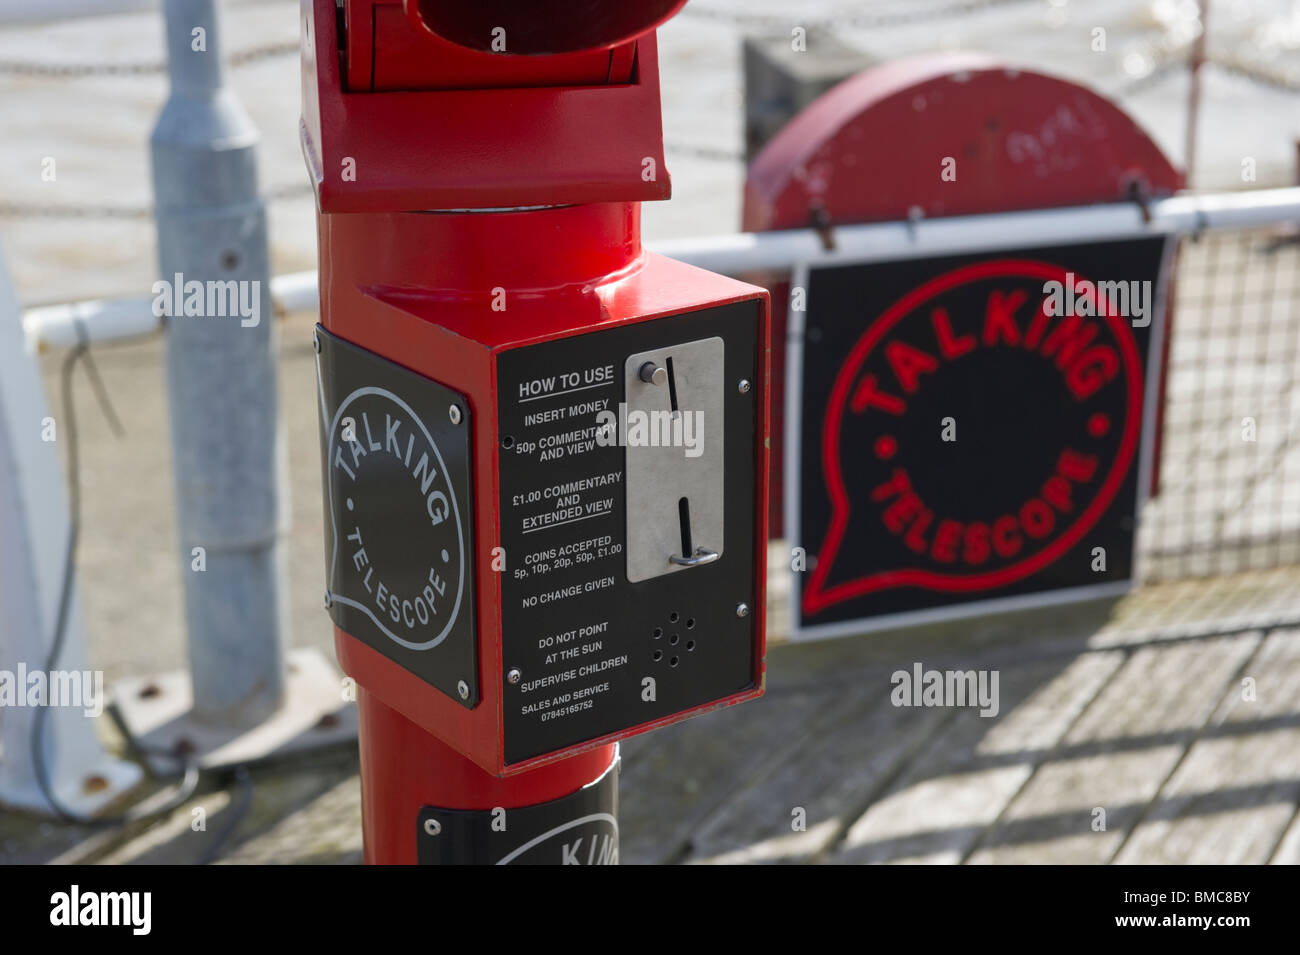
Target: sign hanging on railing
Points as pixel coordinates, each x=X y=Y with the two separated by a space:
x=972 y=433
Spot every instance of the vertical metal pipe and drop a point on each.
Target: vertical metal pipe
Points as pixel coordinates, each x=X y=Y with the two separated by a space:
x=228 y=448
x=34 y=540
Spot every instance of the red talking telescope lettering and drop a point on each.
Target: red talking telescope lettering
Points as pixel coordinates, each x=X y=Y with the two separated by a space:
x=856 y=392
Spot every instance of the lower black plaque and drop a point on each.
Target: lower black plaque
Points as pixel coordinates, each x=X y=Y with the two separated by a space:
x=579 y=829
x=398 y=514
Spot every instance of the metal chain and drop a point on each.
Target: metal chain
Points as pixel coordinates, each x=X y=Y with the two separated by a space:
x=1286 y=82
x=862 y=21
x=289 y=190
x=68 y=70
x=1170 y=67
x=718 y=153
x=72 y=70
x=32 y=210
x=1158 y=75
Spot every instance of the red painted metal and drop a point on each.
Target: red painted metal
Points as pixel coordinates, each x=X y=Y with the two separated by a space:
x=433 y=147
x=386 y=52
x=415 y=288
x=404 y=769
x=570 y=136
x=872 y=148
x=536 y=27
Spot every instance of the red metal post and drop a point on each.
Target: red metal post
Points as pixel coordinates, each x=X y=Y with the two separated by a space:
x=404 y=768
x=479 y=233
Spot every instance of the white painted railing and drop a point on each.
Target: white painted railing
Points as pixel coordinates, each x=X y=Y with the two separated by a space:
x=61 y=325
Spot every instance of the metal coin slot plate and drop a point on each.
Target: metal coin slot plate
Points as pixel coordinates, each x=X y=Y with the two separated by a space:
x=593 y=652
x=675 y=469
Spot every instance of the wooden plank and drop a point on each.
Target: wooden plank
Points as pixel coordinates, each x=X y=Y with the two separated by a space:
x=1288 y=850
x=674 y=777
x=938 y=808
x=305 y=812
x=1232 y=798
x=843 y=762
x=1249 y=600
x=1117 y=755
x=327 y=831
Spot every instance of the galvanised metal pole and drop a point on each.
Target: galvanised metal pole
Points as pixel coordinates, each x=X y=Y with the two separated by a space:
x=228 y=450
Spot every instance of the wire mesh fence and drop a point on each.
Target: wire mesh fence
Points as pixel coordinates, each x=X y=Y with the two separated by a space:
x=1229 y=478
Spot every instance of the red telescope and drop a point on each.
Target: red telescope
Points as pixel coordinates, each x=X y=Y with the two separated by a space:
x=544 y=449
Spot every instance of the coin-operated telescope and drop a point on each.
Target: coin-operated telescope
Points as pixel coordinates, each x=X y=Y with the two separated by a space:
x=544 y=448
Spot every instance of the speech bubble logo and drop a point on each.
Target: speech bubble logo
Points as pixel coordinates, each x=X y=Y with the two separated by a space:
x=1045 y=410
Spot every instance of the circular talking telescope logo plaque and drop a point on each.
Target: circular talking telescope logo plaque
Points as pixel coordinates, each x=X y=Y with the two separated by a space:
x=396 y=475
x=979 y=436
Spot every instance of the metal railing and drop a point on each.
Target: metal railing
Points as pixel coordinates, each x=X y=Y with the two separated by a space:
x=1229 y=484
x=1229 y=478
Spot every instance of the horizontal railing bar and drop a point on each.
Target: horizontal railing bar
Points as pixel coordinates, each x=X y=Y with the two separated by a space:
x=752 y=252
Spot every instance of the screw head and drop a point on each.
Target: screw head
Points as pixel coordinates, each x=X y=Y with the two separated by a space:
x=463 y=689
x=432 y=826
x=653 y=374
x=742 y=610
x=744 y=386
x=454 y=414
x=329 y=601
x=514 y=676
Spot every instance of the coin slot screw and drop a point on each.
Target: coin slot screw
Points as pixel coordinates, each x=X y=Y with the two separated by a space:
x=454 y=414
x=514 y=676
x=744 y=386
x=463 y=689
x=653 y=374
x=742 y=610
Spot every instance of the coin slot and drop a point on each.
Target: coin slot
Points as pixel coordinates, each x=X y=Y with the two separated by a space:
x=675 y=473
x=672 y=385
x=684 y=517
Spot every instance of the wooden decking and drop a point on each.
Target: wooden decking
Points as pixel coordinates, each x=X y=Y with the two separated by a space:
x=1144 y=727
x=1145 y=718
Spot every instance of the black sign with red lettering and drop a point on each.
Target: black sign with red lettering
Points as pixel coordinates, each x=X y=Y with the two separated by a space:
x=970 y=429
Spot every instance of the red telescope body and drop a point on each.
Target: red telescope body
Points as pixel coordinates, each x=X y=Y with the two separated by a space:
x=544 y=448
